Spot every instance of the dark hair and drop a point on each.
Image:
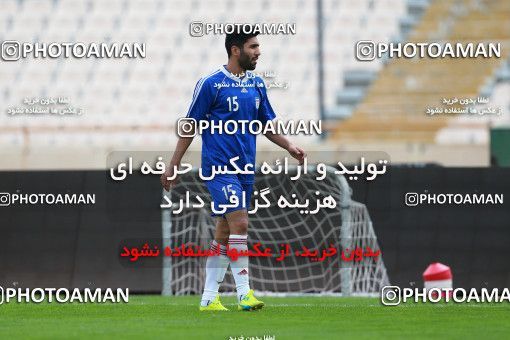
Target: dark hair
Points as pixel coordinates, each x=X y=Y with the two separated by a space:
x=238 y=37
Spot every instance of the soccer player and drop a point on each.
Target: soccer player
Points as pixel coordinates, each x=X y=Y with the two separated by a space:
x=230 y=93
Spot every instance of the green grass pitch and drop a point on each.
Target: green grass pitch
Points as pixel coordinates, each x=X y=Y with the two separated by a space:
x=157 y=317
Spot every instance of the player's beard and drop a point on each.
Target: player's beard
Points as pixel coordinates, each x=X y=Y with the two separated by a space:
x=246 y=62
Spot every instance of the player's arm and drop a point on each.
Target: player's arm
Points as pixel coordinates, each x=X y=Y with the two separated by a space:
x=182 y=146
x=284 y=143
x=265 y=114
x=200 y=106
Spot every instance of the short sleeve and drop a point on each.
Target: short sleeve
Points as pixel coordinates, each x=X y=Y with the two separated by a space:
x=265 y=112
x=203 y=97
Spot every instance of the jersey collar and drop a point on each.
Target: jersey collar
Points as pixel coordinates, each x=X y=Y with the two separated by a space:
x=233 y=77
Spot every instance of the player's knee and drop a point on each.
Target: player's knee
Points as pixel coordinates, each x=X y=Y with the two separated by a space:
x=222 y=232
x=239 y=226
x=221 y=236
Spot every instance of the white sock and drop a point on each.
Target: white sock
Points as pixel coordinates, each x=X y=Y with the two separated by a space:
x=240 y=267
x=215 y=269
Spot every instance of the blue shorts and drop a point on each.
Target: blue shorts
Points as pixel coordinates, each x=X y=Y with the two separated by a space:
x=222 y=187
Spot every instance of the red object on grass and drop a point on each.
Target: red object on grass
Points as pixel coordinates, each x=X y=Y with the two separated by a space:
x=437 y=271
x=438 y=275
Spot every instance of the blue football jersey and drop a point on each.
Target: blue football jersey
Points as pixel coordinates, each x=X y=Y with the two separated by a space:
x=222 y=96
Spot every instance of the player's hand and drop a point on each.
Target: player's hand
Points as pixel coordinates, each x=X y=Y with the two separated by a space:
x=165 y=182
x=297 y=153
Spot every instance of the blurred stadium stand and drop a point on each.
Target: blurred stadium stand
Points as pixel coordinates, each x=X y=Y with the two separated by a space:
x=134 y=104
x=394 y=106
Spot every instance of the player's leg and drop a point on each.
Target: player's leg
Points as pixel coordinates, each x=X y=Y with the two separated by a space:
x=222 y=231
x=238 y=224
x=219 y=263
x=215 y=268
x=221 y=236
